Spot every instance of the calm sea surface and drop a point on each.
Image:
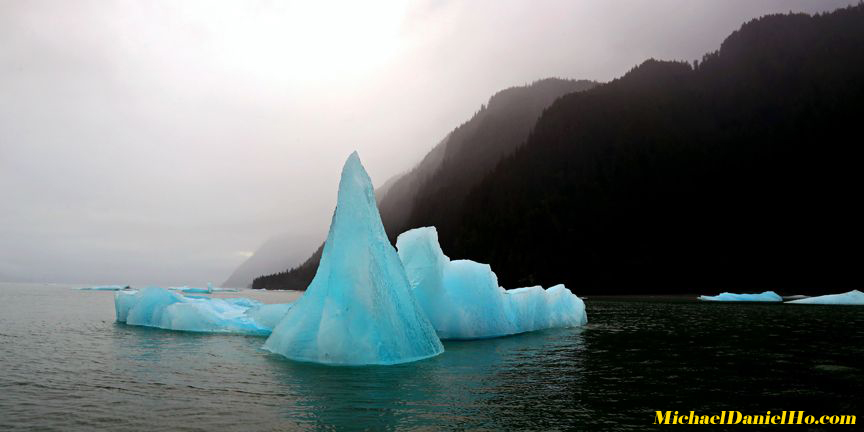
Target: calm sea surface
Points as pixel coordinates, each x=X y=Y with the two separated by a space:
x=66 y=365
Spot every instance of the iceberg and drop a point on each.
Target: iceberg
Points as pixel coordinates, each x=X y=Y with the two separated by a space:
x=105 y=288
x=193 y=290
x=767 y=296
x=215 y=290
x=358 y=309
x=853 y=297
x=158 y=307
x=463 y=300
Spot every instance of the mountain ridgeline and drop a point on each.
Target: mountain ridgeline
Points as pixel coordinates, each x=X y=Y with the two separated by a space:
x=455 y=164
x=738 y=172
x=274 y=255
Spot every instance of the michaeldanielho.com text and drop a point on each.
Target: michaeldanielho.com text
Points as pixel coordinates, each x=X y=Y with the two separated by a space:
x=735 y=417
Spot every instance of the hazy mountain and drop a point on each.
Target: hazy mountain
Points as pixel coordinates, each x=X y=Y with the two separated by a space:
x=396 y=201
x=454 y=165
x=471 y=150
x=287 y=251
x=739 y=173
x=278 y=253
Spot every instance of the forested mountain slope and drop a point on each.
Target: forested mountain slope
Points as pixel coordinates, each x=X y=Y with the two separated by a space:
x=452 y=167
x=742 y=173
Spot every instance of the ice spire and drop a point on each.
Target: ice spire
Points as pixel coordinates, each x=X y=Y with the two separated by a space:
x=359 y=308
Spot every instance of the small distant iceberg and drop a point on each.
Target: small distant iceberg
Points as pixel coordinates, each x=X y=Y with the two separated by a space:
x=853 y=297
x=767 y=296
x=105 y=288
x=194 y=290
x=197 y=290
x=215 y=290
x=209 y=290
x=161 y=308
x=463 y=300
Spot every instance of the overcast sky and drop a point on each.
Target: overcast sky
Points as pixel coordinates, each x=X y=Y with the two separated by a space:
x=163 y=141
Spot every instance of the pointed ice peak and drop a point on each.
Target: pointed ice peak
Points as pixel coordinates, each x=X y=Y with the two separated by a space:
x=353 y=169
x=354 y=157
x=359 y=308
x=356 y=193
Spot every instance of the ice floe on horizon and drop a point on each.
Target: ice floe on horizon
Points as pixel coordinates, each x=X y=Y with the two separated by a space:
x=208 y=290
x=193 y=290
x=104 y=288
x=853 y=297
x=767 y=296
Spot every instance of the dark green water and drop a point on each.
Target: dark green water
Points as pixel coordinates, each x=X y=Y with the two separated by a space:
x=65 y=365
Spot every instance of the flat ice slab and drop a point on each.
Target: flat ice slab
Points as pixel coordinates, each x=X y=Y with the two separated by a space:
x=358 y=310
x=195 y=290
x=463 y=300
x=853 y=297
x=105 y=288
x=158 y=307
x=767 y=296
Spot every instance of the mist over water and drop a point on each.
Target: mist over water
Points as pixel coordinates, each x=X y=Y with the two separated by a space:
x=68 y=366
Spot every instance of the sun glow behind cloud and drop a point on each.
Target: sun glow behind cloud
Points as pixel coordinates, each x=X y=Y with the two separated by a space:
x=293 y=42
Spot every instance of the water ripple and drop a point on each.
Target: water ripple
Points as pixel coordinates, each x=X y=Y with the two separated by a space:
x=66 y=365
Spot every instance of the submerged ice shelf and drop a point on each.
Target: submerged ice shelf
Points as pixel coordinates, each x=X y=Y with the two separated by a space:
x=767 y=296
x=158 y=307
x=853 y=297
x=463 y=300
x=358 y=310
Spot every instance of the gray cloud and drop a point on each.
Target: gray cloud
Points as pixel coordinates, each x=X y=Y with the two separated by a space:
x=161 y=141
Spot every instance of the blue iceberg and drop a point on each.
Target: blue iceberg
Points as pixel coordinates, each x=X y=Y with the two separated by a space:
x=217 y=290
x=767 y=296
x=463 y=300
x=358 y=310
x=194 y=290
x=158 y=307
x=209 y=290
x=853 y=297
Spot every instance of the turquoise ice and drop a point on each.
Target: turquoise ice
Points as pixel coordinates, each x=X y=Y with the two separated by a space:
x=463 y=300
x=367 y=304
x=853 y=297
x=195 y=290
x=358 y=310
x=161 y=308
x=767 y=296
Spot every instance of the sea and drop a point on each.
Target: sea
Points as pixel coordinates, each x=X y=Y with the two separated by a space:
x=66 y=365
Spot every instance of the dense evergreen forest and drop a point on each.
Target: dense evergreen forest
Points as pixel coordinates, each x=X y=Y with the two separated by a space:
x=741 y=173
x=738 y=172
